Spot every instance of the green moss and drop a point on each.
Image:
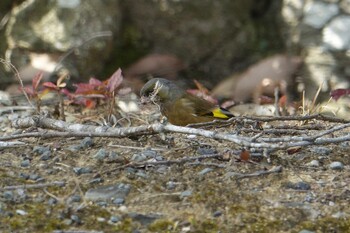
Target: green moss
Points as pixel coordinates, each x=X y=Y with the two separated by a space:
x=161 y=225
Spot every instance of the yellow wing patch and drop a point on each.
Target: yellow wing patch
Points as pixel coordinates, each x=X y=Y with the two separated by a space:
x=219 y=113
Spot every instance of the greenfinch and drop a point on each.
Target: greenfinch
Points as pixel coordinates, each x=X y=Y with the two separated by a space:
x=178 y=106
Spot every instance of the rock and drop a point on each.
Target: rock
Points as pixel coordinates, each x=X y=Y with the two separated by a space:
x=186 y=193
x=205 y=171
x=45 y=156
x=335 y=35
x=41 y=149
x=336 y=165
x=87 y=142
x=106 y=193
x=82 y=170
x=317 y=13
x=314 y=163
x=321 y=150
x=298 y=186
x=217 y=213
x=25 y=163
x=101 y=154
x=114 y=219
x=144 y=219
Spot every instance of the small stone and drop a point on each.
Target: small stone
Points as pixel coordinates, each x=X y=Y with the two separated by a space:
x=75 y=218
x=25 y=163
x=119 y=201
x=96 y=180
x=186 y=193
x=52 y=201
x=74 y=148
x=306 y=231
x=45 y=156
x=106 y=193
x=21 y=212
x=298 y=186
x=205 y=171
x=150 y=153
x=75 y=198
x=8 y=195
x=100 y=219
x=138 y=157
x=24 y=176
x=41 y=149
x=143 y=219
x=82 y=170
x=321 y=150
x=206 y=151
x=87 y=142
x=34 y=176
x=101 y=154
x=115 y=219
x=170 y=185
x=314 y=163
x=141 y=174
x=336 y=165
x=217 y=213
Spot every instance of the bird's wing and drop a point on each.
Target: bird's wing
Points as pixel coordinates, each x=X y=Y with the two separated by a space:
x=202 y=107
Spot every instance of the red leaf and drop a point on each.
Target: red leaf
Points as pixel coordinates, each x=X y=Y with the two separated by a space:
x=29 y=90
x=50 y=85
x=245 y=155
x=36 y=80
x=84 y=88
x=115 y=80
x=337 y=93
x=95 y=82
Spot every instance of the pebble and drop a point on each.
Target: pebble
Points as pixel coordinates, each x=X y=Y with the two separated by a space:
x=115 y=219
x=75 y=218
x=52 y=201
x=82 y=170
x=8 y=195
x=106 y=193
x=336 y=165
x=206 y=151
x=217 y=213
x=119 y=201
x=170 y=185
x=34 y=176
x=74 y=148
x=45 y=156
x=138 y=157
x=21 y=212
x=96 y=180
x=306 y=231
x=41 y=149
x=321 y=150
x=75 y=198
x=205 y=171
x=141 y=174
x=144 y=219
x=298 y=186
x=24 y=176
x=314 y=163
x=186 y=193
x=25 y=163
x=101 y=154
x=87 y=142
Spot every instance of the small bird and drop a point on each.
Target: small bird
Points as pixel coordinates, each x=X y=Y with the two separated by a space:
x=180 y=107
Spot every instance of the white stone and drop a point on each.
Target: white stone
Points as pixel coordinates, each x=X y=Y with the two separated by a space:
x=317 y=14
x=336 y=35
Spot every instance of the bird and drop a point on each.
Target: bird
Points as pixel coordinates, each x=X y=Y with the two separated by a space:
x=179 y=107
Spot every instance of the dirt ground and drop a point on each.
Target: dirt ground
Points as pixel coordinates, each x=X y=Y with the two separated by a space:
x=304 y=188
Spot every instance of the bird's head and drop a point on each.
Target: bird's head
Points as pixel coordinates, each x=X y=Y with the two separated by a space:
x=161 y=90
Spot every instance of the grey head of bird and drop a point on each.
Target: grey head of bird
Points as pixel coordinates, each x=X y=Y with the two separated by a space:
x=162 y=90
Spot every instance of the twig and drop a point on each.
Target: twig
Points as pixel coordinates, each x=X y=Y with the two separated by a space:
x=15 y=71
x=31 y=186
x=277 y=169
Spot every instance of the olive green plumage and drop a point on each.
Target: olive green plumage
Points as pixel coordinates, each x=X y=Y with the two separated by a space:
x=180 y=107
